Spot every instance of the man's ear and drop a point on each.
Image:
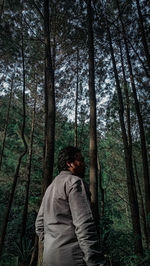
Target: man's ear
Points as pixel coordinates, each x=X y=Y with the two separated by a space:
x=70 y=165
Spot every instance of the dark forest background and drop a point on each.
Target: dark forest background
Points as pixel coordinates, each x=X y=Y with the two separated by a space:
x=75 y=73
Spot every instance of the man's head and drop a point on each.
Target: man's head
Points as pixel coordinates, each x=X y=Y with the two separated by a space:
x=70 y=158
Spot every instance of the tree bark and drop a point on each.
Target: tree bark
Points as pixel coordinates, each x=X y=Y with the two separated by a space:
x=102 y=191
x=7 y=121
x=25 y=210
x=34 y=256
x=127 y=99
x=141 y=61
x=141 y=204
x=49 y=105
x=93 y=137
x=128 y=160
x=40 y=254
x=144 y=41
x=1 y=8
x=76 y=101
x=49 y=89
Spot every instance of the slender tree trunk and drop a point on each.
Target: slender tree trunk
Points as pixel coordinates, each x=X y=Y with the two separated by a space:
x=1 y=8
x=25 y=210
x=141 y=61
x=7 y=121
x=128 y=160
x=49 y=146
x=141 y=127
x=4 y=227
x=141 y=204
x=144 y=41
x=53 y=26
x=40 y=254
x=49 y=104
x=127 y=99
x=81 y=133
x=130 y=143
x=76 y=100
x=127 y=212
x=93 y=137
x=34 y=257
x=102 y=191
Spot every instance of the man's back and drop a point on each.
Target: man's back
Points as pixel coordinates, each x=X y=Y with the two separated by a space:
x=65 y=222
x=60 y=240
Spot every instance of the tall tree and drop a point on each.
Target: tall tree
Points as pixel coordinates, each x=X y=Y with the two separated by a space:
x=102 y=191
x=25 y=209
x=130 y=141
x=76 y=100
x=128 y=160
x=1 y=7
x=93 y=135
x=140 y=122
x=3 y=234
x=49 y=90
x=143 y=216
x=49 y=103
x=144 y=41
x=125 y=85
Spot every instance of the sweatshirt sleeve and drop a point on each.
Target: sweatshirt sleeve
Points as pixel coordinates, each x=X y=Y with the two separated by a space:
x=84 y=224
x=39 y=224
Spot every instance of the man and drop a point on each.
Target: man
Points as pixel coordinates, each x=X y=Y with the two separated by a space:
x=65 y=222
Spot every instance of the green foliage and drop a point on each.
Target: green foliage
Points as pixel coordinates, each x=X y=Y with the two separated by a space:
x=21 y=254
x=116 y=237
x=7 y=259
x=24 y=250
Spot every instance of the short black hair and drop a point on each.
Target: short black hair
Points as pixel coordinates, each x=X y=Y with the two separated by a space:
x=67 y=154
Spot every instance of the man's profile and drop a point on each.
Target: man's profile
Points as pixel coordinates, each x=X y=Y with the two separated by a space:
x=65 y=222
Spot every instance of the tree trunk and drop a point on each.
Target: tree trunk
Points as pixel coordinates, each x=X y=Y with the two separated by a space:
x=141 y=127
x=141 y=204
x=7 y=121
x=34 y=257
x=102 y=191
x=49 y=145
x=53 y=29
x=127 y=99
x=1 y=8
x=145 y=45
x=40 y=254
x=93 y=138
x=49 y=105
x=76 y=101
x=128 y=160
x=25 y=210
x=141 y=61
x=130 y=144
x=81 y=136
x=4 y=227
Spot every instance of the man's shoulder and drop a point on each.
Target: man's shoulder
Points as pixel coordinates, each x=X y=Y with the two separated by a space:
x=68 y=177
